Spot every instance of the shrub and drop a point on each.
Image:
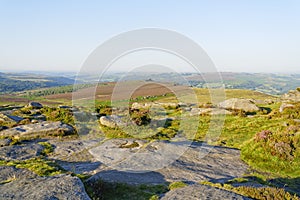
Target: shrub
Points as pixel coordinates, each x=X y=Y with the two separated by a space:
x=140 y=117
x=277 y=152
x=104 y=109
x=263 y=135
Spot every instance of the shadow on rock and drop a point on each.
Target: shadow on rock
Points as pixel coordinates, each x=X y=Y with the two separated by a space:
x=131 y=178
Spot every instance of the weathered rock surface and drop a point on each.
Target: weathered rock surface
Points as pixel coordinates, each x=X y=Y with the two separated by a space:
x=293 y=95
x=285 y=106
x=239 y=104
x=35 y=105
x=5 y=142
x=9 y=173
x=201 y=192
x=204 y=162
x=211 y=111
x=176 y=161
x=21 y=152
x=44 y=188
x=10 y=118
x=110 y=121
x=136 y=105
x=73 y=155
x=39 y=130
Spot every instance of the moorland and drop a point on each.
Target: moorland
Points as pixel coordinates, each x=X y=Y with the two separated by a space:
x=50 y=146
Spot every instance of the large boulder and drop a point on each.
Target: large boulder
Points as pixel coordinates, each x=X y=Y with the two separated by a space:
x=110 y=121
x=173 y=160
x=285 y=106
x=292 y=95
x=239 y=104
x=23 y=184
x=35 y=105
x=42 y=129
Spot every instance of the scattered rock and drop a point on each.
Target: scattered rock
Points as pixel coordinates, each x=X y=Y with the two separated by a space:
x=21 y=152
x=9 y=107
x=292 y=95
x=239 y=104
x=201 y=192
x=64 y=107
x=269 y=101
x=35 y=105
x=39 y=117
x=10 y=118
x=136 y=105
x=110 y=121
x=61 y=187
x=284 y=106
x=211 y=111
x=42 y=129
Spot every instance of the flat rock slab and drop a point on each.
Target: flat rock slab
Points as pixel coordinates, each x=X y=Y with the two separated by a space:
x=203 y=162
x=201 y=192
x=90 y=168
x=175 y=161
x=131 y=178
x=61 y=187
x=21 y=152
x=10 y=173
x=72 y=150
x=38 y=130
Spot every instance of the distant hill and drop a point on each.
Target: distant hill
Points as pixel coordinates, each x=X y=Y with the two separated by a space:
x=275 y=84
x=267 y=83
x=15 y=82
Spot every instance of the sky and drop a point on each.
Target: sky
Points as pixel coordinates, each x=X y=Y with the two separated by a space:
x=238 y=35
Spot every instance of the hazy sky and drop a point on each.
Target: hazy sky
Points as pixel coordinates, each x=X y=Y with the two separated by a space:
x=239 y=35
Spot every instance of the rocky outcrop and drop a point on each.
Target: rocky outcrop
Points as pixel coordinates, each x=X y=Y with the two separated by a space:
x=201 y=192
x=110 y=121
x=35 y=105
x=136 y=105
x=292 y=95
x=21 y=152
x=42 y=129
x=239 y=104
x=10 y=118
x=210 y=111
x=175 y=161
x=23 y=184
x=285 y=106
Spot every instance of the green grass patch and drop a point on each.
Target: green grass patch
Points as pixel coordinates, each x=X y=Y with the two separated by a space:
x=58 y=114
x=40 y=166
x=48 y=148
x=176 y=185
x=259 y=193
